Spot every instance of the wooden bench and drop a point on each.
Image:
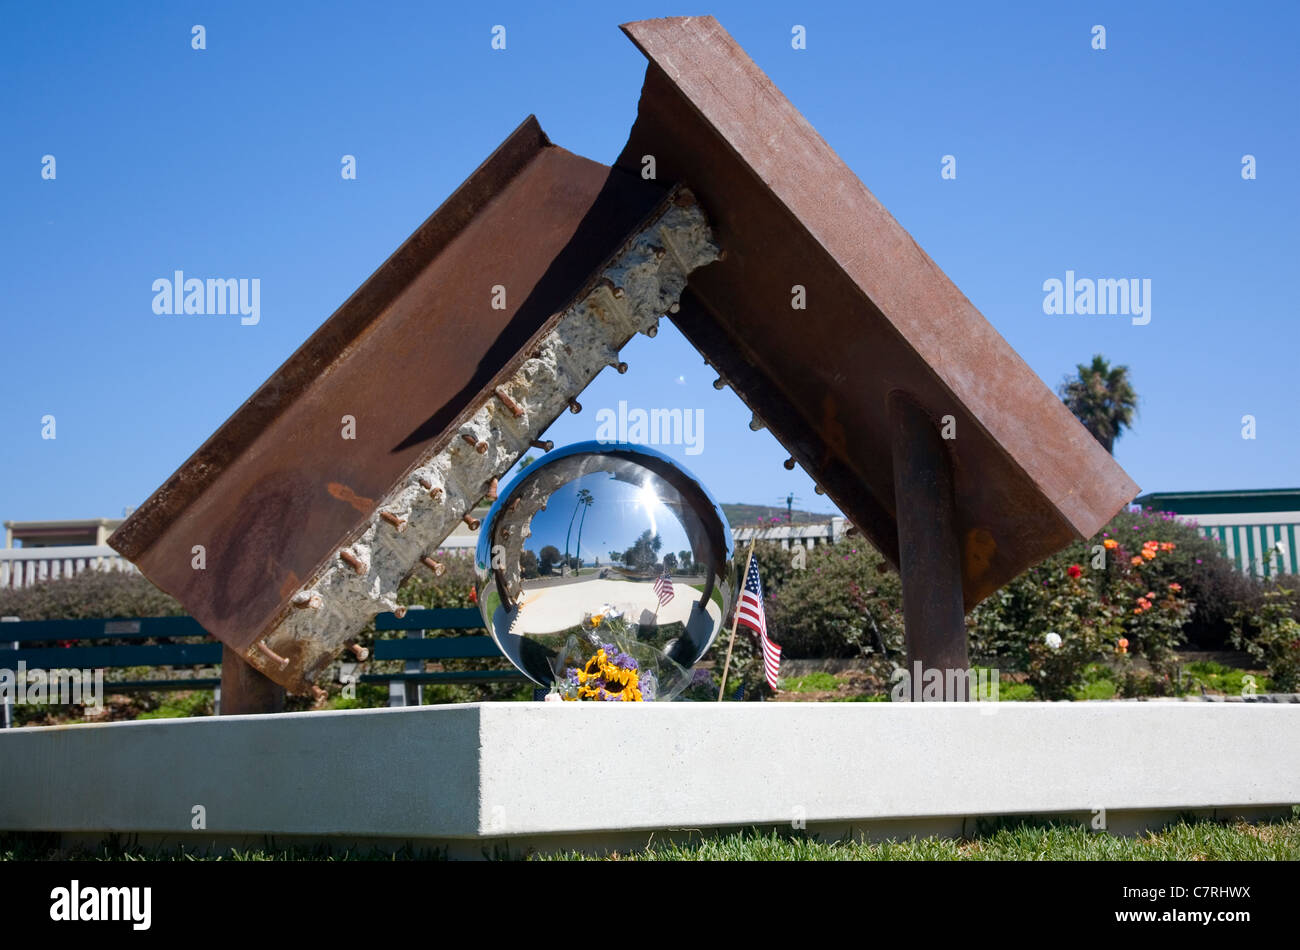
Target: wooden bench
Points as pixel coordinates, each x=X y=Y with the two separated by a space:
x=53 y=645
x=414 y=648
x=37 y=644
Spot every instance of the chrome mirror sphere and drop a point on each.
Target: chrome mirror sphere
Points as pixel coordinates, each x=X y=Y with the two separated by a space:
x=606 y=531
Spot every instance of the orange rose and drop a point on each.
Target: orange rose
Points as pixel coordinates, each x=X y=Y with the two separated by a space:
x=1136 y=561
x=1110 y=544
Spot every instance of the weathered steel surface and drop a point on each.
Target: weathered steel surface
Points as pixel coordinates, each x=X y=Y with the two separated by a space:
x=929 y=549
x=277 y=495
x=880 y=317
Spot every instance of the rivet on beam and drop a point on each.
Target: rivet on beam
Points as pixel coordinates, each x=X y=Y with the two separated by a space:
x=652 y=331
x=544 y=444
x=307 y=598
x=575 y=407
x=399 y=611
x=514 y=505
x=271 y=655
x=819 y=490
x=433 y=565
x=510 y=404
x=619 y=367
x=479 y=447
x=659 y=253
x=719 y=383
x=396 y=522
x=789 y=464
x=470 y=521
x=318 y=694
x=674 y=307
x=615 y=291
x=722 y=254
x=360 y=652
x=492 y=493
x=352 y=561
x=755 y=424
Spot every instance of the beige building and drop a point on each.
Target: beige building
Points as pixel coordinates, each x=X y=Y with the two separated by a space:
x=59 y=534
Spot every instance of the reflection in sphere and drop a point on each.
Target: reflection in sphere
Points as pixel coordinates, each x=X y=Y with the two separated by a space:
x=596 y=526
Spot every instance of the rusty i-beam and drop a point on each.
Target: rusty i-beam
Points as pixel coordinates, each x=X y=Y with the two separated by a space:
x=890 y=388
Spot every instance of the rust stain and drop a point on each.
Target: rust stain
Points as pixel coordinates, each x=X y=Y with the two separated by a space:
x=343 y=493
x=980 y=547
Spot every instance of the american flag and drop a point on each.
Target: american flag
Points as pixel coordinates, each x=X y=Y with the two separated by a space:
x=664 y=588
x=750 y=614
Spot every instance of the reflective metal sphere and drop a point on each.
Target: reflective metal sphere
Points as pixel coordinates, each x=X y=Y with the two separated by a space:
x=596 y=526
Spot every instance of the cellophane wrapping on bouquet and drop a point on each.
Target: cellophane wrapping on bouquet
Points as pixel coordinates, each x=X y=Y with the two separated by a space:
x=606 y=662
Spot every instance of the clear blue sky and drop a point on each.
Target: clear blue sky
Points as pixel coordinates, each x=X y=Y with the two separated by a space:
x=225 y=162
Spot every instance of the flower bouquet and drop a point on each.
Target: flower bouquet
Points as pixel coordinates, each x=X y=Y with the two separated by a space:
x=606 y=663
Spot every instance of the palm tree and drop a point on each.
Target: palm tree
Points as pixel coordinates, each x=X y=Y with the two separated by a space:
x=586 y=499
x=1102 y=398
x=583 y=496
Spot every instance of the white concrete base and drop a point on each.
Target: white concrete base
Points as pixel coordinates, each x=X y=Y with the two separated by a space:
x=578 y=775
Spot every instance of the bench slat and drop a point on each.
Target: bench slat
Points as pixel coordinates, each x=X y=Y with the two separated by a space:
x=467 y=676
x=436 y=648
x=443 y=618
x=171 y=654
x=28 y=631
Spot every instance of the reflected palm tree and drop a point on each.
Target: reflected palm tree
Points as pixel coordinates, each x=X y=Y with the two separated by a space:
x=584 y=500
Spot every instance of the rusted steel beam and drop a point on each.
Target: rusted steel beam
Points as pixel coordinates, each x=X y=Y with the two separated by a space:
x=245 y=691
x=929 y=548
x=877 y=315
x=500 y=291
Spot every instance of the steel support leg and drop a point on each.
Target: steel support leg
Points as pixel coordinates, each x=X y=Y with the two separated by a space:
x=929 y=554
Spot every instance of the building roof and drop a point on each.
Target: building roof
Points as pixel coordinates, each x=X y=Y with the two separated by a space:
x=1237 y=501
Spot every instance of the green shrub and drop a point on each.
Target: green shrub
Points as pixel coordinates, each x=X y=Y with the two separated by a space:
x=1109 y=595
x=1269 y=632
x=844 y=602
x=90 y=594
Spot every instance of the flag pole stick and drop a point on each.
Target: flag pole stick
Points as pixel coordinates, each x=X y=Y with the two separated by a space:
x=749 y=555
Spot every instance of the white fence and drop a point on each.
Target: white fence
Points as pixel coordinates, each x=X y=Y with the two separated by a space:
x=22 y=567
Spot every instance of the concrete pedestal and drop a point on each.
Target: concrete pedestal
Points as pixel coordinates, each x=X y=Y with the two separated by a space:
x=593 y=775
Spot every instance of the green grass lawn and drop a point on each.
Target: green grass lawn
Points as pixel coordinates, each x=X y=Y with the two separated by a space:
x=1007 y=840
x=1183 y=841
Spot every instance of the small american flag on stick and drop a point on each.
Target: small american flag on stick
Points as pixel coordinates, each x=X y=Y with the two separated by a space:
x=663 y=588
x=750 y=614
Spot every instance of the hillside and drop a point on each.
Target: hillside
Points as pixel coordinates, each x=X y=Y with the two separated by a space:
x=741 y=514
